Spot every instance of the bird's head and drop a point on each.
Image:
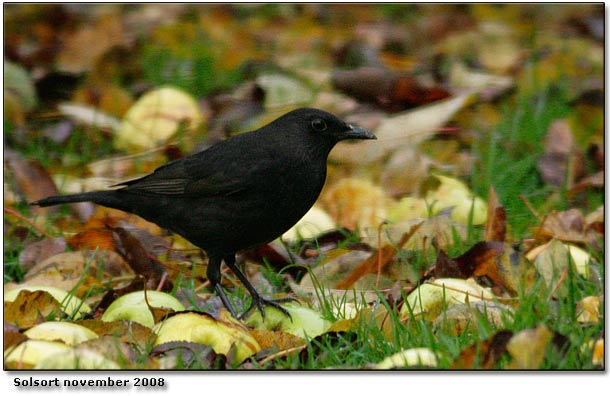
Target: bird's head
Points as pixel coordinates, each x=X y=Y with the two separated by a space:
x=324 y=126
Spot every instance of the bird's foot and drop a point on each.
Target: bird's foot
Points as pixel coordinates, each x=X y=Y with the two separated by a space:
x=225 y=300
x=259 y=302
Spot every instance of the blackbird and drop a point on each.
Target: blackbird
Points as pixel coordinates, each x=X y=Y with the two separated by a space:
x=238 y=194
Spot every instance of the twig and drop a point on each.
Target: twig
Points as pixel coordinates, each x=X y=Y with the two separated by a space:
x=18 y=215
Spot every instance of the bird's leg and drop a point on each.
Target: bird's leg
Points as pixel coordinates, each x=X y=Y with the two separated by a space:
x=214 y=276
x=257 y=301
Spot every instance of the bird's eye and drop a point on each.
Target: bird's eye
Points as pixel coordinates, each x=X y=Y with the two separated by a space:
x=318 y=125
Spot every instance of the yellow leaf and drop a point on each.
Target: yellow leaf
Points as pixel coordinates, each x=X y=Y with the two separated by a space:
x=527 y=348
x=68 y=333
x=31 y=352
x=222 y=336
x=70 y=304
x=135 y=307
x=155 y=118
x=305 y=322
x=430 y=297
x=408 y=358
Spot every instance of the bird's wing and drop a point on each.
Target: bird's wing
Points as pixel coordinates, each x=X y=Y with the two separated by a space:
x=208 y=173
x=169 y=179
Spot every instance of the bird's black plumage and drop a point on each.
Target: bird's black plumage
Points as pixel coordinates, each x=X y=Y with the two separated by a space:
x=240 y=193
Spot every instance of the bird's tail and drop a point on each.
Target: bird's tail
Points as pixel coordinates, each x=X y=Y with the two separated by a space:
x=93 y=196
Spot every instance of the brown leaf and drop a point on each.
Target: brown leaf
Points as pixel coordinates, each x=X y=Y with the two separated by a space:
x=484 y=354
x=567 y=226
x=30 y=308
x=482 y=259
x=112 y=348
x=67 y=270
x=408 y=92
x=130 y=332
x=91 y=239
x=495 y=229
x=377 y=261
x=561 y=161
x=445 y=267
x=184 y=354
x=39 y=251
x=140 y=260
x=159 y=313
x=12 y=335
x=366 y=83
x=596 y=180
x=394 y=91
x=277 y=340
x=33 y=181
x=595 y=220
x=83 y=47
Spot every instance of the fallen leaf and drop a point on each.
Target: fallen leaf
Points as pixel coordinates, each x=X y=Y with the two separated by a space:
x=315 y=222
x=82 y=48
x=413 y=357
x=560 y=152
x=33 y=181
x=552 y=260
x=484 y=354
x=93 y=238
x=223 y=336
x=376 y=262
x=305 y=322
x=598 y=353
x=403 y=129
x=391 y=90
x=495 y=227
x=114 y=349
x=143 y=263
x=68 y=303
x=527 y=348
x=460 y=317
x=39 y=251
x=487 y=86
x=318 y=283
x=449 y=192
x=568 y=226
x=76 y=359
x=31 y=352
x=356 y=203
x=137 y=307
x=66 y=332
x=281 y=91
x=123 y=331
x=81 y=269
x=587 y=309
x=19 y=83
x=155 y=118
x=182 y=355
x=277 y=340
x=30 y=308
x=429 y=298
x=90 y=116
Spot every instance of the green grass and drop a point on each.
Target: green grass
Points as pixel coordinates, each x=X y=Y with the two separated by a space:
x=84 y=145
x=506 y=156
x=189 y=62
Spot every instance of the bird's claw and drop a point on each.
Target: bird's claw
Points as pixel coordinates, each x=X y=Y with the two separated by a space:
x=259 y=302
